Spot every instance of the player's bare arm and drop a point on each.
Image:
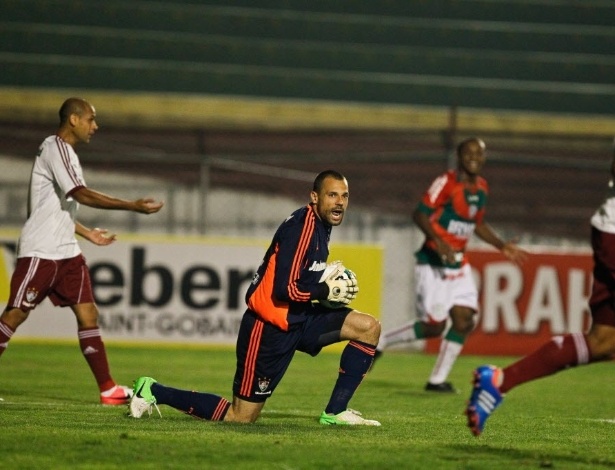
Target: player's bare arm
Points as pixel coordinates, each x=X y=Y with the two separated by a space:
x=514 y=253
x=98 y=200
x=422 y=221
x=98 y=236
x=508 y=249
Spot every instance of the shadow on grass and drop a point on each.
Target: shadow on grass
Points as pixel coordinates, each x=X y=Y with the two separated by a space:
x=526 y=458
x=410 y=390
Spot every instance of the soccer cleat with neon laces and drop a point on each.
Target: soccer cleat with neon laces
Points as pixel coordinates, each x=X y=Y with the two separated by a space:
x=118 y=395
x=142 y=398
x=347 y=418
x=485 y=398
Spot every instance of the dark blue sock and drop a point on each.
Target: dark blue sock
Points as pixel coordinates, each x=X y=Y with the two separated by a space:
x=356 y=360
x=200 y=405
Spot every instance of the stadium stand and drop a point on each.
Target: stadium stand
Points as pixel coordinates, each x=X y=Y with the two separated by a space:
x=549 y=61
x=532 y=56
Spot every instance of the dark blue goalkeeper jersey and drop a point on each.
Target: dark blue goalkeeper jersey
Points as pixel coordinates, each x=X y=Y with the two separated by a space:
x=288 y=278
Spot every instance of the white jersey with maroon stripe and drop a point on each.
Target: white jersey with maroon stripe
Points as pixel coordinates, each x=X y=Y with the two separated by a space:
x=604 y=218
x=49 y=232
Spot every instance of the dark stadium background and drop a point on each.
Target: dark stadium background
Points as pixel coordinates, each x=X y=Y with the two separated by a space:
x=534 y=79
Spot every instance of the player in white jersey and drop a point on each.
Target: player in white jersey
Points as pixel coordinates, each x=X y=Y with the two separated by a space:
x=49 y=260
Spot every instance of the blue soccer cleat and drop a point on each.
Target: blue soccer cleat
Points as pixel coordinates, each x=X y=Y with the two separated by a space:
x=485 y=397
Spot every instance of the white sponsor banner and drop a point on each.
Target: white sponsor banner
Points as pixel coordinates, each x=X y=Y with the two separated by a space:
x=175 y=291
x=522 y=307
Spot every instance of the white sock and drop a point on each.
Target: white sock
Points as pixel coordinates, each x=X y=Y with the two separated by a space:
x=108 y=393
x=449 y=351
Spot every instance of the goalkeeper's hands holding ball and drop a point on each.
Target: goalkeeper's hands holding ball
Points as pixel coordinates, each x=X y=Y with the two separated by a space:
x=341 y=289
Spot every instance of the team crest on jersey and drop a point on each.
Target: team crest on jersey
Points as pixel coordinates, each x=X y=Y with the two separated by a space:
x=31 y=294
x=263 y=384
x=472 y=210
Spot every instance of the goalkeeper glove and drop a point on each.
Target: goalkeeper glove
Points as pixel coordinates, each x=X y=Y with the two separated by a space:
x=342 y=288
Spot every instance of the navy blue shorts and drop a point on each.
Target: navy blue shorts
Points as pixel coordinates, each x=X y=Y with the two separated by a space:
x=264 y=351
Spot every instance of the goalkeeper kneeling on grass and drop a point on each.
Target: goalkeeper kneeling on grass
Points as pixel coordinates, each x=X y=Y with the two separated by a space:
x=282 y=317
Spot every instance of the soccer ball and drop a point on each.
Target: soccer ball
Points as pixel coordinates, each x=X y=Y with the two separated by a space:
x=347 y=274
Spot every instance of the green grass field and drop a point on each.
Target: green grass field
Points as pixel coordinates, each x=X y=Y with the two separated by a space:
x=49 y=416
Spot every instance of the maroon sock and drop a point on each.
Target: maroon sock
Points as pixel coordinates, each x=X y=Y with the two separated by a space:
x=561 y=352
x=5 y=335
x=93 y=349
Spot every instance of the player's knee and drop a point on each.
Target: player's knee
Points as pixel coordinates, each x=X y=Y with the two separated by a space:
x=463 y=321
x=375 y=326
x=14 y=317
x=370 y=329
x=432 y=330
x=360 y=326
x=602 y=344
x=242 y=411
x=376 y=329
x=240 y=416
x=241 y=419
x=465 y=326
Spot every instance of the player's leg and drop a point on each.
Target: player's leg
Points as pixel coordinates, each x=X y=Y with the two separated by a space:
x=208 y=406
x=561 y=352
x=242 y=411
x=30 y=284
x=263 y=354
x=570 y=350
x=491 y=382
x=411 y=331
x=457 y=291
x=362 y=331
x=91 y=344
x=360 y=327
x=148 y=393
x=431 y=311
x=601 y=341
x=93 y=349
x=10 y=320
x=73 y=288
x=462 y=323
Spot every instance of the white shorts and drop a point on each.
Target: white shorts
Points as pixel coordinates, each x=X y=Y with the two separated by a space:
x=439 y=289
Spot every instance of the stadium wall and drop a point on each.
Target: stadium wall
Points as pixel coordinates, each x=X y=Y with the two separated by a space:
x=178 y=289
x=191 y=289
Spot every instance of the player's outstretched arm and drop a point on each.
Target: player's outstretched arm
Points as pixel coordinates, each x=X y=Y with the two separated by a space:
x=98 y=200
x=148 y=205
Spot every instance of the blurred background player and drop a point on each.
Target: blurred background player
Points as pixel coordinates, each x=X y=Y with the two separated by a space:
x=569 y=350
x=450 y=211
x=282 y=319
x=49 y=260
